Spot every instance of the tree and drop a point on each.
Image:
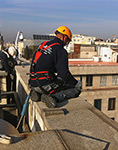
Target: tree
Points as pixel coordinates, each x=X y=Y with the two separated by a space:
x=26 y=53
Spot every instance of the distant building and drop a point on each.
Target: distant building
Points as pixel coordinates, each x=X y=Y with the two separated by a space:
x=106 y=54
x=116 y=40
x=22 y=45
x=1 y=42
x=8 y=44
x=81 y=47
x=37 y=40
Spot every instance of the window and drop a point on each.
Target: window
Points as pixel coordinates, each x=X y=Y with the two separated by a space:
x=103 y=80
x=111 y=103
x=115 y=80
x=97 y=103
x=89 y=80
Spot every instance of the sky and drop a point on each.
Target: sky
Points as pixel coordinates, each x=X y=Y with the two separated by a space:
x=97 y=18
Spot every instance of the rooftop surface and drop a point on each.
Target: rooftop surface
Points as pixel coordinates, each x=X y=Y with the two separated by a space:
x=74 y=125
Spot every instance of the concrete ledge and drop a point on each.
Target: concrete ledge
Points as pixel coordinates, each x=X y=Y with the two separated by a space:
x=3 y=74
x=57 y=140
x=53 y=112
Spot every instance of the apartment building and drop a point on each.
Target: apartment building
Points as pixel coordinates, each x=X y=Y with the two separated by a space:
x=81 y=46
x=106 y=54
x=99 y=83
x=86 y=47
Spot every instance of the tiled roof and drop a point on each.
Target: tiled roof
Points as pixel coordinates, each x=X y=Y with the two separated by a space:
x=76 y=63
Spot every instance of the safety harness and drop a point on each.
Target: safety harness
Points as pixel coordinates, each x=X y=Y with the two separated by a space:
x=41 y=75
x=9 y=60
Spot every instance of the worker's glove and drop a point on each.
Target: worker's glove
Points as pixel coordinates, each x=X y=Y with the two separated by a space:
x=78 y=86
x=11 y=76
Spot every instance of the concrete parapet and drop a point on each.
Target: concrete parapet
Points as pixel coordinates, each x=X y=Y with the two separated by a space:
x=3 y=75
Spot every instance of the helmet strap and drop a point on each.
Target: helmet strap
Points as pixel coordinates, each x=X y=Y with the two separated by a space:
x=63 y=38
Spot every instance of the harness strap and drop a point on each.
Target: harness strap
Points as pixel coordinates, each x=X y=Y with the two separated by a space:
x=41 y=75
x=42 y=45
x=6 y=53
x=42 y=78
x=51 y=46
x=41 y=72
x=52 y=91
x=39 y=53
x=37 y=56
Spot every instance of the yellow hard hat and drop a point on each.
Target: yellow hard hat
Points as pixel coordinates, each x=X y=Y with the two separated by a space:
x=64 y=30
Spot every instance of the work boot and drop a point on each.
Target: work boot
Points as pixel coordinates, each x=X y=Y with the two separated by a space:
x=36 y=97
x=48 y=100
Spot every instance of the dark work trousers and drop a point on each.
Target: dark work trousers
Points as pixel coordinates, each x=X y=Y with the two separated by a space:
x=65 y=93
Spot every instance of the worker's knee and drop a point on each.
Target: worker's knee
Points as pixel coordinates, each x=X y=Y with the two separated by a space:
x=35 y=96
x=78 y=93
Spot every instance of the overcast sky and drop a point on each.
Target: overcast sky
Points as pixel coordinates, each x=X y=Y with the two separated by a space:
x=89 y=17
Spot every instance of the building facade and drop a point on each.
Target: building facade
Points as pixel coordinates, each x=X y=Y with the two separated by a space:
x=99 y=85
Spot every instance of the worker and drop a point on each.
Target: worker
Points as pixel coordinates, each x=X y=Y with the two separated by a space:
x=50 y=77
x=8 y=64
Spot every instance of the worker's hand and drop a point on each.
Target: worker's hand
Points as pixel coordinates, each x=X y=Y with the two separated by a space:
x=11 y=76
x=78 y=86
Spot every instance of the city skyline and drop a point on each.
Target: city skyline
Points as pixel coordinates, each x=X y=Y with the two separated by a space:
x=92 y=18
